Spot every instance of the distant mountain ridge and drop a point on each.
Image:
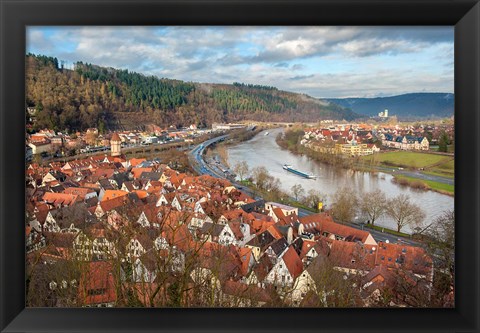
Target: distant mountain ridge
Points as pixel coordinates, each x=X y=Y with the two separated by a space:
x=414 y=105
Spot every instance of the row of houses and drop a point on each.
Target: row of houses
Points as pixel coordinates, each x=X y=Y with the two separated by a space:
x=405 y=142
x=349 y=141
x=358 y=140
x=142 y=227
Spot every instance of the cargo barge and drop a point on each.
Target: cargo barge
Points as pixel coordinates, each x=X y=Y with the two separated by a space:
x=297 y=172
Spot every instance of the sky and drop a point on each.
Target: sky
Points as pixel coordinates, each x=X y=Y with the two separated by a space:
x=319 y=61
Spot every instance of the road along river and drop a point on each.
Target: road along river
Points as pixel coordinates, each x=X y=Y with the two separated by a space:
x=262 y=150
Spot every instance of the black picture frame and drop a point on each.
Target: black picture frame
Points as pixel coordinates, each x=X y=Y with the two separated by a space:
x=16 y=15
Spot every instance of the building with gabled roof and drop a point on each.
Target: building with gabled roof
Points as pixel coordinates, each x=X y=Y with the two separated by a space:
x=237 y=294
x=97 y=286
x=57 y=200
x=286 y=269
x=260 y=242
x=322 y=224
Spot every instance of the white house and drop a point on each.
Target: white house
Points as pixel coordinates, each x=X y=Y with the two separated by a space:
x=145 y=268
x=139 y=245
x=40 y=147
x=50 y=224
x=286 y=269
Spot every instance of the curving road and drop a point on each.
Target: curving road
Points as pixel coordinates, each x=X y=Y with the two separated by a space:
x=196 y=158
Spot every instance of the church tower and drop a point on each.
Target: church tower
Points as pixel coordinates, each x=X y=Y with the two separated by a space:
x=115 y=143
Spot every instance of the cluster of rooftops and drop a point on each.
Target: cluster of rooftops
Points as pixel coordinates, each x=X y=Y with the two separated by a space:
x=158 y=221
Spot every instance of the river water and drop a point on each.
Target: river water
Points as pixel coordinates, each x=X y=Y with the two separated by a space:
x=262 y=150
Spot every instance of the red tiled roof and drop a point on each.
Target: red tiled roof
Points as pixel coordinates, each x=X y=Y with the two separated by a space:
x=279 y=213
x=110 y=204
x=115 y=137
x=221 y=260
x=111 y=194
x=242 y=290
x=293 y=262
x=411 y=258
x=57 y=199
x=274 y=231
x=344 y=231
x=141 y=193
x=324 y=223
x=80 y=191
x=136 y=161
x=180 y=236
x=352 y=255
x=97 y=284
x=235 y=227
x=306 y=247
x=263 y=267
x=138 y=171
x=104 y=172
x=245 y=255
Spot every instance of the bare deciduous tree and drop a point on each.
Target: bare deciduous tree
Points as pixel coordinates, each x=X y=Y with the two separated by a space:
x=260 y=176
x=345 y=205
x=241 y=169
x=297 y=191
x=373 y=204
x=404 y=212
x=313 y=197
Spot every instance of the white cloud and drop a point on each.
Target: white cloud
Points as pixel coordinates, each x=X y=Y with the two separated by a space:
x=291 y=58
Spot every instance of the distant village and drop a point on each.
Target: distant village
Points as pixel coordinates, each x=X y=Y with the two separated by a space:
x=48 y=143
x=107 y=231
x=367 y=139
x=344 y=139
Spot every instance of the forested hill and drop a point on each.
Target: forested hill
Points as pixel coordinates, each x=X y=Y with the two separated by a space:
x=416 y=105
x=93 y=96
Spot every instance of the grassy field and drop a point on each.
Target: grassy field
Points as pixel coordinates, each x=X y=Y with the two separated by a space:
x=439 y=165
x=449 y=174
x=445 y=169
x=441 y=187
x=407 y=159
x=426 y=184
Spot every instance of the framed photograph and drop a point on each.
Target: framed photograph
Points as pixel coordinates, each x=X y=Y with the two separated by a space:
x=238 y=166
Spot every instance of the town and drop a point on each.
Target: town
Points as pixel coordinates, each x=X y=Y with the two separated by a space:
x=366 y=139
x=105 y=230
x=351 y=139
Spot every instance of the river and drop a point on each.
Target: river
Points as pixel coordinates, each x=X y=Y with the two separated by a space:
x=262 y=150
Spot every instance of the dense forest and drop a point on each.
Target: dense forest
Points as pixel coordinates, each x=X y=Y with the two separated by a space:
x=94 y=96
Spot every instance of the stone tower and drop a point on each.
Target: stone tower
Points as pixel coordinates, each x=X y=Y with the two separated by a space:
x=115 y=143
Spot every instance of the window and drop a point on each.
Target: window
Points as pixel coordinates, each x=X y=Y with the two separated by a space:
x=92 y=292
